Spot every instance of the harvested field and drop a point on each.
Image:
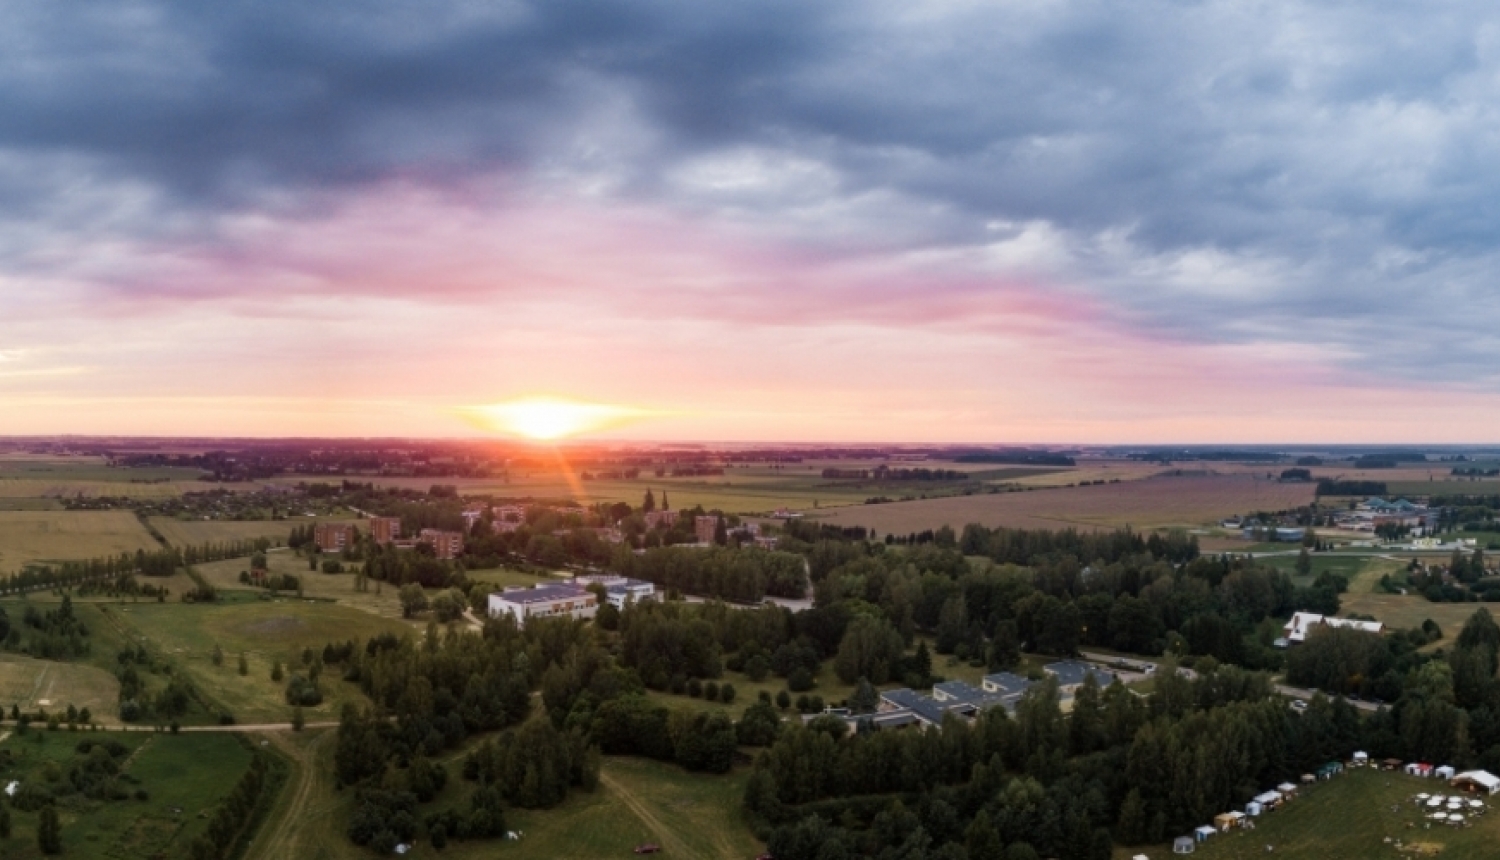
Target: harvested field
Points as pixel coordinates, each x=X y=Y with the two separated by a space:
x=41 y=488
x=28 y=536
x=1149 y=503
x=196 y=532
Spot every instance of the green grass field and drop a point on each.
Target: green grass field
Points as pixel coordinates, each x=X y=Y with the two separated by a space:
x=382 y=602
x=267 y=631
x=51 y=536
x=1350 y=818
x=184 y=776
x=637 y=801
x=32 y=684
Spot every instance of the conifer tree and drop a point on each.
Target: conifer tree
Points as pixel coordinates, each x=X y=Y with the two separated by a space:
x=49 y=831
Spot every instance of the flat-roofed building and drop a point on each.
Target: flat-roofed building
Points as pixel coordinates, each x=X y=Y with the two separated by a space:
x=333 y=537
x=705 y=527
x=666 y=519
x=384 y=530
x=543 y=601
x=447 y=545
x=618 y=590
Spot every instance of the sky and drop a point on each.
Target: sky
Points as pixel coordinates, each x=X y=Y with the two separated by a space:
x=943 y=222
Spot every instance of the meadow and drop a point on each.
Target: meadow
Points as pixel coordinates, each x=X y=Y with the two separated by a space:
x=1351 y=817
x=379 y=599
x=52 y=686
x=183 y=776
x=266 y=631
x=51 y=536
x=1156 y=502
x=637 y=801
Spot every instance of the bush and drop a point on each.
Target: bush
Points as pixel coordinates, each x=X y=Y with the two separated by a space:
x=800 y=680
x=711 y=691
x=726 y=693
x=694 y=687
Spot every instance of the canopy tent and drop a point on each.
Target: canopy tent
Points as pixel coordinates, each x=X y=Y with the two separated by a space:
x=1361 y=758
x=1202 y=833
x=1287 y=789
x=1183 y=845
x=1481 y=781
x=1444 y=772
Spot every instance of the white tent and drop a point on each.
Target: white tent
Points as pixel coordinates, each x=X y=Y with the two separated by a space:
x=1254 y=807
x=1444 y=772
x=1477 y=780
x=1202 y=833
x=1268 y=798
x=1361 y=758
x=1287 y=789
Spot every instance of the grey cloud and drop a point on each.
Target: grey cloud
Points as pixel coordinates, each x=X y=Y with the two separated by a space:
x=1311 y=143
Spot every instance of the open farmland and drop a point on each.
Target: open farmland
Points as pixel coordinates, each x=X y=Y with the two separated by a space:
x=1351 y=817
x=37 y=477
x=49 y=536
x=197 y=532
x=1150 y=503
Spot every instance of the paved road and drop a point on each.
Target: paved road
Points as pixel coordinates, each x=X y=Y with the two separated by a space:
x=246 y=728
x=1299 y=693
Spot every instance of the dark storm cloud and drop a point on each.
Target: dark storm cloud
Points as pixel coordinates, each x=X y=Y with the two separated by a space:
x=1304 y=172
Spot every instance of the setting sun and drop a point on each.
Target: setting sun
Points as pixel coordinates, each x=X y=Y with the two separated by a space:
x=547 y=418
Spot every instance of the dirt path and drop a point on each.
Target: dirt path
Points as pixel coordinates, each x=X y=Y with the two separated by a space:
x=281 y=836
x=36 y=688
x=125 y=765
x=664 y=835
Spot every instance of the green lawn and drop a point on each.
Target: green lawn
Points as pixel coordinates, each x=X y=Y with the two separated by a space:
x=637 y=801
x=183 y=775
x=267 y=631
x=1350 y=818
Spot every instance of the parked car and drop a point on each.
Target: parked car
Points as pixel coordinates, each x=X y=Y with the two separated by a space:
x=1299 y=705
x=648 y=848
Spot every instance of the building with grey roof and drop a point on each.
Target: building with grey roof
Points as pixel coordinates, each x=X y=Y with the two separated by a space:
x=543 y=601
x=1070 y=674
x=1005 y=683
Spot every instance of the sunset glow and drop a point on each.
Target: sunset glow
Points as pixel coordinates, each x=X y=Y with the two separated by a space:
x=548 y=418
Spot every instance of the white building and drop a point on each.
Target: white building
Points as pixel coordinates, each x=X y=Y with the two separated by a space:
x=1303 y=623
x=618 y=589
x=543 y=601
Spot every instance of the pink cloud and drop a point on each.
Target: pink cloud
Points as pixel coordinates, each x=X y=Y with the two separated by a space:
x=383 y=312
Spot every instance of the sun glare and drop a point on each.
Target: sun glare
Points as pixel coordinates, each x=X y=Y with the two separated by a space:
x=547 y=419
